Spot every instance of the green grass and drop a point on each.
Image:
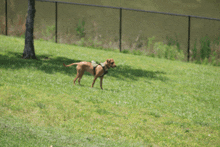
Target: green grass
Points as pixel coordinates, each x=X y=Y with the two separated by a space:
x=145 y=102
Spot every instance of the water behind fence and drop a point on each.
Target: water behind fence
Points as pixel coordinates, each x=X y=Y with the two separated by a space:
x=109 y=27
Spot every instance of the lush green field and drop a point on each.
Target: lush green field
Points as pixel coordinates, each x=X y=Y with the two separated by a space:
x=145 y=102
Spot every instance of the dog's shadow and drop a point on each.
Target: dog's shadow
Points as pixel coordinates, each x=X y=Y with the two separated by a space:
x=50 y=65
x=125 y=72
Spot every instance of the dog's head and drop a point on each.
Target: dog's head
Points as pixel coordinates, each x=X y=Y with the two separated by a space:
x=110 y=63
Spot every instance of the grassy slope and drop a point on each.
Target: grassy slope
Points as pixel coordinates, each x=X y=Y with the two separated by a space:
x=145 y=100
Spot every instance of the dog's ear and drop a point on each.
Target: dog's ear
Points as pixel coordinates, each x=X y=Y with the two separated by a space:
x=108 y=60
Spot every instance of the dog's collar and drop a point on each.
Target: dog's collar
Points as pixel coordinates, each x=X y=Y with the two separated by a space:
x=105 y=70
x=104 y=65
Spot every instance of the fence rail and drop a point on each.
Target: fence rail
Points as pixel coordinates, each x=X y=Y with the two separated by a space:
x=120 y=18
x=129 y=9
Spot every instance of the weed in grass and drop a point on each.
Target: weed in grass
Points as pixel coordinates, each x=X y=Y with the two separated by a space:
x=155 y=114
x=168 y=52
x=81 y=42
x=80 y=29
x=169 y=122
x=208 y=52
x=49 y=34
x=137 y=52
x=41 y=105
x=94 y=43
x=150 y=42
x=126 y=51
x=205 y=61
x=194 y=51
x=173 y=42
x=95 y=101
x=77 y=101
x=214 y=59
x=102 y=111
x=205 y=47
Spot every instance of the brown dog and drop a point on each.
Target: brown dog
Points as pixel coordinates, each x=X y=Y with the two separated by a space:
x=98 y=71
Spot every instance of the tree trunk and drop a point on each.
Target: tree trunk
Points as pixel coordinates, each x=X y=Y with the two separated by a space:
x=29 y=39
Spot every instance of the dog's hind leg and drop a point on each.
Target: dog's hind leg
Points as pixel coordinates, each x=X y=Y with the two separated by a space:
x=77 y=76
x=80 y=76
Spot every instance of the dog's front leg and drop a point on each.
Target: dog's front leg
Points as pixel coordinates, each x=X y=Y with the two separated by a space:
x=101 y=82
x=94 y=81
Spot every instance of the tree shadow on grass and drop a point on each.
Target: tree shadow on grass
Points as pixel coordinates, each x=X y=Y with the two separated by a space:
x=50 y=65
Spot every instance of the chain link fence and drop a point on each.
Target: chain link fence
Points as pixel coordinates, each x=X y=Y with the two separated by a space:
x=114 y=27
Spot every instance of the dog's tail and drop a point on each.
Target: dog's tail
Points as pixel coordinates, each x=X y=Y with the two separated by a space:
x=69 y=64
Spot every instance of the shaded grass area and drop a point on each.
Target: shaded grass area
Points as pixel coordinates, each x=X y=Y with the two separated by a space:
x=146 y=101
x=50 y=64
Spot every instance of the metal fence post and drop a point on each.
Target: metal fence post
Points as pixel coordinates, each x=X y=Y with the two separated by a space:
x=56 y=22
x=6 y=18
x=189 y=24
x=120 y=28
